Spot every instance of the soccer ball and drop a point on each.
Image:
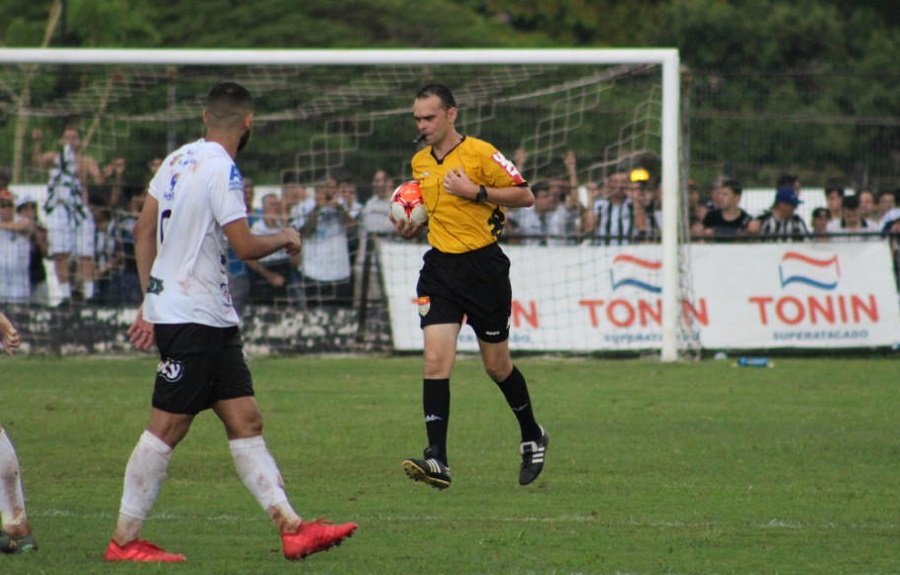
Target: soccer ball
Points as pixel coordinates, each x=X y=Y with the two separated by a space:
x=407 y=204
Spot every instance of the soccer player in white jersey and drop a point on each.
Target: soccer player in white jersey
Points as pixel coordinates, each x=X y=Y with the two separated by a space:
x=195 y=201
x=15 y=532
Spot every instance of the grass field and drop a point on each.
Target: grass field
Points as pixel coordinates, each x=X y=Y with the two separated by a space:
x=682 y=469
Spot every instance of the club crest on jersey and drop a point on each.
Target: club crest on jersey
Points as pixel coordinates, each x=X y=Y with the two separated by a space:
x=424 y=304
x=154 y=285
x=508 y=167
x=170 y=370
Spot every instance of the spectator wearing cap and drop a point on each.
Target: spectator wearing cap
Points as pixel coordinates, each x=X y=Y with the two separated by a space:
x=613 y=219
x=27 y=209
x=14 y=251
x=786 y=180
x=852 y=222
x=647 y=200
x=781 y=222
x=819 y=223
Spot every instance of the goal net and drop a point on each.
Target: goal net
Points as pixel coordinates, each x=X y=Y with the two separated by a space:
x=571 y=120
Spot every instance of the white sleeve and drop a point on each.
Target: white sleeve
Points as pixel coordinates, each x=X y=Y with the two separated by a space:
x=226 y=194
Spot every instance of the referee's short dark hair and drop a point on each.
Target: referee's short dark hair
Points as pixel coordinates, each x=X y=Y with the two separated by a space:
x=439 y=90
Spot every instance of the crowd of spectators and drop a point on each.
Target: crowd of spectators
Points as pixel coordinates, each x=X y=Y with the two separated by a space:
x=338 y=218
x=625 y=207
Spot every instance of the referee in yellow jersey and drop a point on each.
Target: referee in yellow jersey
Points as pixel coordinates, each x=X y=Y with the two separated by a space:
x=467 y=185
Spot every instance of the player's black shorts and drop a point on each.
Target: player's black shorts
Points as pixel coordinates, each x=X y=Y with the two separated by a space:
x=199 y=365
x=474 y=285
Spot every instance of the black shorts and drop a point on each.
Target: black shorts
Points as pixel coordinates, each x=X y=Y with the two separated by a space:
x=198 y=366
x=473 y=286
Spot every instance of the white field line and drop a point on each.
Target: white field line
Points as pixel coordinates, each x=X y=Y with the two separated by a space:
x=772 y=524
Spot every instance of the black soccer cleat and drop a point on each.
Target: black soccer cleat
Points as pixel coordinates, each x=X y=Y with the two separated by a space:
x=429 y=470
x=533 y=455
x=10 y=544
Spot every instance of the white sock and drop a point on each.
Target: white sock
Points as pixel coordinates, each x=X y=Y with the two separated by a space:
x=12 y=499
x=88 y=290
x=65 y=290
x=144 y=476
x=259 y=472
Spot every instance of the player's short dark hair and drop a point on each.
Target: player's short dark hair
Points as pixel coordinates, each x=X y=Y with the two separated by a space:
x=228 y=102
x=230 y=92
x=734 y=186
x=439 y=90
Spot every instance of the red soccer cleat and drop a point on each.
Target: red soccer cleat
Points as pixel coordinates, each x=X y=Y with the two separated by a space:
x=314 y=536
x=139 y=550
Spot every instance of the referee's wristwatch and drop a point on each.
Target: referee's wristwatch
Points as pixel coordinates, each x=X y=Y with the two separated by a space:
x=481 y=196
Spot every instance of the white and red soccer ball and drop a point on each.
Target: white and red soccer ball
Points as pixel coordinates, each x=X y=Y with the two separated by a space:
x=407 y=204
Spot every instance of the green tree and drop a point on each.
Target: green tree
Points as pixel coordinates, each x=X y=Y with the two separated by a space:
x=322 y=24
x=100 y=23
x=22 y=23
x=574 y=23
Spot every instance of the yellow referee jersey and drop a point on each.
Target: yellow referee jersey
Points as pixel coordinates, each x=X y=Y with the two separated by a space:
x=457 y=225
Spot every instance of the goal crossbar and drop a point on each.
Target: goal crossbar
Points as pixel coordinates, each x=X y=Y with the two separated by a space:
x=666 y=58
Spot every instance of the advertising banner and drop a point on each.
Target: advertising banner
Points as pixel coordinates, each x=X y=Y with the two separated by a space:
x=605 y=298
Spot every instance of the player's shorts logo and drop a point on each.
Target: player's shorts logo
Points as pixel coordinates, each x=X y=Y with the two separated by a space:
x=170 y=370
x=424 y=304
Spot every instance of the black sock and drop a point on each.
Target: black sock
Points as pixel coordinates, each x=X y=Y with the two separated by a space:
x=436 y=404
x=516 y=392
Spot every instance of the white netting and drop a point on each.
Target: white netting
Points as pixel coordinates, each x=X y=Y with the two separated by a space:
x=316 y=122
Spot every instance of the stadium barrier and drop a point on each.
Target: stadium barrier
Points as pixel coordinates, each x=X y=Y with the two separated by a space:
x=838 y=294
x=569 y=299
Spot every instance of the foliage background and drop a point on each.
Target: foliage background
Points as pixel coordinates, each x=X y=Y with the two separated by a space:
x=808 y=86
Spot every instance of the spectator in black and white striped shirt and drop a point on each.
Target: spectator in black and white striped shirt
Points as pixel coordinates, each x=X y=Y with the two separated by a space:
x=781 y=222
x=612 y=220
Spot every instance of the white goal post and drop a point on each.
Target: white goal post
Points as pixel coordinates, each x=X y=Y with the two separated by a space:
x=666 y=59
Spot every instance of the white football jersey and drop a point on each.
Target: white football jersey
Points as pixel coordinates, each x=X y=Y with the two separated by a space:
x=199 y=190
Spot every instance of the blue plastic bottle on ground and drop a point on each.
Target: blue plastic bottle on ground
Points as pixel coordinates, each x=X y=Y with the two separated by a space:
x=753 y=362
